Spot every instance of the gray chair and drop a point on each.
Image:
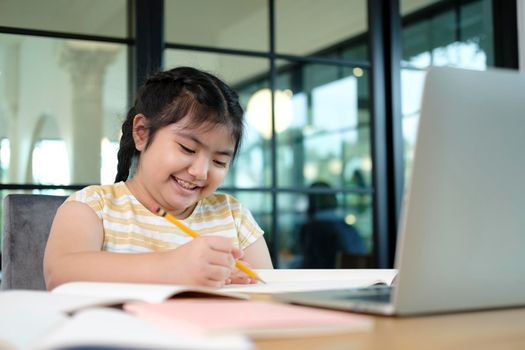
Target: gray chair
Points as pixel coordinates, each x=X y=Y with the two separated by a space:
x=27 y=221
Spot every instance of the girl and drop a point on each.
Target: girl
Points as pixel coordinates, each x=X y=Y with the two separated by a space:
x=182 y=133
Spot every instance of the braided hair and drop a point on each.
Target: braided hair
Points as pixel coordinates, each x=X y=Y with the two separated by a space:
x=169 y=96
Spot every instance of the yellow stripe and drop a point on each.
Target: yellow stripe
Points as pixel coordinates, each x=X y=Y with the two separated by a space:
x=138 y=235
x=164 y=229
x=126 y=206
x=217 y=229
x=139 y=243
x=137 y=239
x=221 y=214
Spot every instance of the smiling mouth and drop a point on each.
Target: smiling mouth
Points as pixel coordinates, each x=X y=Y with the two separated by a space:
x=185 y=184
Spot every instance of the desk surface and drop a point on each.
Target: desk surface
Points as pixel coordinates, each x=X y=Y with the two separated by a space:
x=495 y=329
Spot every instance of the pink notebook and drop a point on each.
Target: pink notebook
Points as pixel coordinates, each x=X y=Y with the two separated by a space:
x=258 y=319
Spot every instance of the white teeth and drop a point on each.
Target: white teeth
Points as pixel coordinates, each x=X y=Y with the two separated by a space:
x=185 y=184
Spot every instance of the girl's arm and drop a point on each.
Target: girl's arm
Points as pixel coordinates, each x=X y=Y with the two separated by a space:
x=257 y=255
x=73 y=253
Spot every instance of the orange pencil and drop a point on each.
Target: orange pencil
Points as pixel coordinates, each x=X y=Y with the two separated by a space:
x=194 y=234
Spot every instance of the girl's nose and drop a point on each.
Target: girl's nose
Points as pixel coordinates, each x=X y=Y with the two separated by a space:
x=199 y=168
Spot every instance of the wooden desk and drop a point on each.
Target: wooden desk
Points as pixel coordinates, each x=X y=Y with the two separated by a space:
x=496 y=329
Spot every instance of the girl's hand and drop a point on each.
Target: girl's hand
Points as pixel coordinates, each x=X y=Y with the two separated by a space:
x=206 y=261
x=239 y=277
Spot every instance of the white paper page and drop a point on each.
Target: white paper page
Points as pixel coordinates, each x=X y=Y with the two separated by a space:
x=28 y=315
x=110 y=327
x=51 y=302
x=152 y=293
x=122 y=291
x=296 y=280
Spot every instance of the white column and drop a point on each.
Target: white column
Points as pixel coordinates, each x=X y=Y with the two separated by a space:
x=9 y=108
x=87 y=63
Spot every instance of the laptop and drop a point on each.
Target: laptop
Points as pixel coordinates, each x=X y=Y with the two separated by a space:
x=461 y=241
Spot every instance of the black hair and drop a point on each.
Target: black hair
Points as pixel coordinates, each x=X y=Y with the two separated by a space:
x=320 y=201
x=168 y=96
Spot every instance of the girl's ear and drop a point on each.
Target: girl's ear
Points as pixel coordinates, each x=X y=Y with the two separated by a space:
x=140 y=132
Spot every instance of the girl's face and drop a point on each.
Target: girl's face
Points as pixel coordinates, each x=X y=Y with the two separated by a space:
x=182 y=165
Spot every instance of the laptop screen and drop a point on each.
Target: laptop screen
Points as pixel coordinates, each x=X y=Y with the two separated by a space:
x=461 y=234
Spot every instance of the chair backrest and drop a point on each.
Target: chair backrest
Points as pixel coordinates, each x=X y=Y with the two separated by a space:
x=27 y=221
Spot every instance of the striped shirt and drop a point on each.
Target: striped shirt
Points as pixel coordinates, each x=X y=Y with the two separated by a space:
x=130 y=227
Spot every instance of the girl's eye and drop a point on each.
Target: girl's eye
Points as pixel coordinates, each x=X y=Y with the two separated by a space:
x=186 y=149
x=221 y=164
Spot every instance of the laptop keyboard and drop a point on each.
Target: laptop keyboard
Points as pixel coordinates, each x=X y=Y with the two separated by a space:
x=375 y=294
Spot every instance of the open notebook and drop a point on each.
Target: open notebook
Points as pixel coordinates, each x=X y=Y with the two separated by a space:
x=298 y=280
x=118 y=293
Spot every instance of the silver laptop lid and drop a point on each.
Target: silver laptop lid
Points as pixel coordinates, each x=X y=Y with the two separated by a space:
x=461 y=241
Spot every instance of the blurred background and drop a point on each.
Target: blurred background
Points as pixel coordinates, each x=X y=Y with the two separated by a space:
x=331 y=91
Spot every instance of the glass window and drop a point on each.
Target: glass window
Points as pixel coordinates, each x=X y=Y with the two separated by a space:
x=322 y=125
x=248 y=76
x=236 y=24
x=304 y=27
x=459 y=35
x=325 y=230
x=409 y=6
x=108 y=170
x=252 y=168
x=5 y=155
x=74 y=93
x=93 y=17
x=50 y=163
